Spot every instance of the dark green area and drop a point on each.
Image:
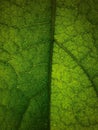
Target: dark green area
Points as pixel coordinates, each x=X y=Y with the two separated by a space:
x=25 y=40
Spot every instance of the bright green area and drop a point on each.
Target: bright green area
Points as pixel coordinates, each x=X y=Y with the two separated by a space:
x=25 y=40
x=74 y=89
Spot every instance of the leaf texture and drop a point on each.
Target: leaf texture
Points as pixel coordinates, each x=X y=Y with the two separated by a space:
x=25 y=41
x=74 y=87
x=29 y=31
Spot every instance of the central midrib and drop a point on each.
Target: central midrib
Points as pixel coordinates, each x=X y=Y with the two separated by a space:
x=52 y=32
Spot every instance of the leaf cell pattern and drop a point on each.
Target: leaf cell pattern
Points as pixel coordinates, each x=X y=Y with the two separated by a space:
x=25 y=40
x=29 y=30
x=74 y=87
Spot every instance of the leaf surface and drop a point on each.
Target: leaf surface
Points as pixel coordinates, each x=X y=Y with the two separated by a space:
x=25 y=40
x=34 y=33
x=74 y=88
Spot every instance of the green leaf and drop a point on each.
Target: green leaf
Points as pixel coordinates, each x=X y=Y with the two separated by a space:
x=48 y=65
x=74 y=88
x=25 y=40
